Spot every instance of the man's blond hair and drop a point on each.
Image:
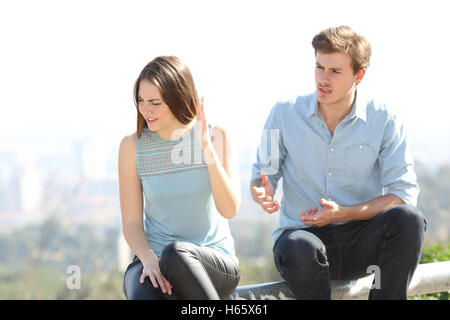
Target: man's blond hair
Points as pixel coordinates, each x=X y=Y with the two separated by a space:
x=344 y=39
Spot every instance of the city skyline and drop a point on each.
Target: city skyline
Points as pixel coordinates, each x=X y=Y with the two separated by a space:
x=26 y=178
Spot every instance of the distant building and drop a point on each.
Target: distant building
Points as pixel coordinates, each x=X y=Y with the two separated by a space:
x=95 y=159
x=9 y=185
x=30 y=187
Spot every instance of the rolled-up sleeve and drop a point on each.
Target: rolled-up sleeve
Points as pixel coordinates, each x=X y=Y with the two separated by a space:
x=397 y=164
x=271 y=151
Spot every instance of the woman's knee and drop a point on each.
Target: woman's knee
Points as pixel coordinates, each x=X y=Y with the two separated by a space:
x=172 y=256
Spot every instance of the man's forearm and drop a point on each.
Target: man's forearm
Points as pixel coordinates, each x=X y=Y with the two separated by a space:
x=370 y=209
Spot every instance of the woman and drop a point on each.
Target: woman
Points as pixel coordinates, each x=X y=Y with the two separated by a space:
x=185 y=172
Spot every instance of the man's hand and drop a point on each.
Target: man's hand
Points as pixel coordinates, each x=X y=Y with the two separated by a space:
x=264 y=195
x=329 y=214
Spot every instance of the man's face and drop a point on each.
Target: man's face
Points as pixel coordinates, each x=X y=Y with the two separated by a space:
x=335 y=80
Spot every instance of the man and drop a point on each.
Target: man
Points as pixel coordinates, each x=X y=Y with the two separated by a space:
x=349 y=186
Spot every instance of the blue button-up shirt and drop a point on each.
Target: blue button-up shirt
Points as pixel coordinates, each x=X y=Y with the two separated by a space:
x=366 y=157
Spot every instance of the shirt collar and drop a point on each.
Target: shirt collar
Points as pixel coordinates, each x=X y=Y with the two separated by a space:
x=313 y=105
x=358 y=110
x=359 y=107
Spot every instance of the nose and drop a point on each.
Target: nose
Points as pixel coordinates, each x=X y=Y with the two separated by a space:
x=145 y=107
x=323 y=79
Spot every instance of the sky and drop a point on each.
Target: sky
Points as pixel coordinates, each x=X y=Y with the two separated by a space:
x=67 y=68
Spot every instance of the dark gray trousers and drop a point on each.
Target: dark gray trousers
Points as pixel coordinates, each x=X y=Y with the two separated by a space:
x=309 y=258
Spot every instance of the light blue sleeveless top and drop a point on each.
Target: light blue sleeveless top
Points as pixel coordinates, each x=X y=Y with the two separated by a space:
x=178 y=201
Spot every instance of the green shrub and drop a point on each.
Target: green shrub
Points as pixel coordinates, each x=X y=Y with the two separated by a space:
x=429 y=255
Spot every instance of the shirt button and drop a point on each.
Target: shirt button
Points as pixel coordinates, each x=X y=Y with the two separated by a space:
x=360 y=146
x=329 y=174
x=331 y=149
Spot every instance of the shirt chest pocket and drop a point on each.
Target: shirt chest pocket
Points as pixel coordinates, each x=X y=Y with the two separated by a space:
x=360 y=160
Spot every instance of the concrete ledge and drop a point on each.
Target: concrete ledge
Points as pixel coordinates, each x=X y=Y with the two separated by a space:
x=428 y=278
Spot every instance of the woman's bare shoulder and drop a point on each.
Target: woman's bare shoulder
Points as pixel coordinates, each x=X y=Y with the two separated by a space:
x=129 y=142
x=130 y=138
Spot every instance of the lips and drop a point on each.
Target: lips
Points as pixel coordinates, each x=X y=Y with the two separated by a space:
x=324 y=91
x=150 y=120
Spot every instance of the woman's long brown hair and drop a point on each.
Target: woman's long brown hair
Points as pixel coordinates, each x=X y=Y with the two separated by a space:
x=176 y=86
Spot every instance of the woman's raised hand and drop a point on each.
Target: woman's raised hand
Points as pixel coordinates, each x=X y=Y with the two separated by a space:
x=203 y=134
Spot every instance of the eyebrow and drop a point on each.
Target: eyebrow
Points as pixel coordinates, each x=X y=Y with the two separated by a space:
x=334 y=69
x=151 y=100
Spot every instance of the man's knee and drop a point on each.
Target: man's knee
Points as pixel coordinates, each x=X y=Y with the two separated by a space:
x=300 y=249
x=409 y=219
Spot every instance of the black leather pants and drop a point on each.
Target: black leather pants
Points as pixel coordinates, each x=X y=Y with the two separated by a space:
x=195 y=273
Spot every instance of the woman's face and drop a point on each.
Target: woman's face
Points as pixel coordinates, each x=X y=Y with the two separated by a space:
x=156 y=113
